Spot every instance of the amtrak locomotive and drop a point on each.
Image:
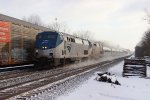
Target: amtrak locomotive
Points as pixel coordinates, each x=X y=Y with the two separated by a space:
x=56 y=48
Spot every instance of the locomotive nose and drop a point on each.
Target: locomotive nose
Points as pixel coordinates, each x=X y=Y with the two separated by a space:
x=44 y=45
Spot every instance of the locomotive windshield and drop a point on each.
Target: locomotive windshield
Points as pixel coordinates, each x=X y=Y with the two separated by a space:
x=47 y=40
x=49 y=36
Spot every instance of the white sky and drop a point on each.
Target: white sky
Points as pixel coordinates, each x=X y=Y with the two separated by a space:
x=118 y=21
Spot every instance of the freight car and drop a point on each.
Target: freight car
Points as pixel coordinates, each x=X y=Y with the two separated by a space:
x=17 y=40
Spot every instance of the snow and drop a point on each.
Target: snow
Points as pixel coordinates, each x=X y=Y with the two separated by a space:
x=131 y=88
x=77 y=85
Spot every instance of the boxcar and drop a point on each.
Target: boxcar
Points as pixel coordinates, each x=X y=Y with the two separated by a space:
x=17 y=40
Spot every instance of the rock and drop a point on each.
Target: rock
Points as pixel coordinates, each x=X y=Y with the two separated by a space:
x=107 y=77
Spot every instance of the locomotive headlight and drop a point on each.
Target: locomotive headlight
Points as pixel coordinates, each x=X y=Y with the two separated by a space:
x=45 y=47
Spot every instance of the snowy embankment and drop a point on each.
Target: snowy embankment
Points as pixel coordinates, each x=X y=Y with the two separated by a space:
x=65 y=86
x=131 y=88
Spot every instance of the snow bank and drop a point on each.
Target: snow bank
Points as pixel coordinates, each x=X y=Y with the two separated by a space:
x=130 y=89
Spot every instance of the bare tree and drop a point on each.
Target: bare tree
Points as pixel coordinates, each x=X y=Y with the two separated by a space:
x=34 y=19
x=147 y=17
x=84 y=34
x=59 y=26
x=144 y=48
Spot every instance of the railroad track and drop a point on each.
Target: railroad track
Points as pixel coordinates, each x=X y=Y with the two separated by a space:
x=18 y=71
x=23 y=84
x=16 y=89
x=28 y=77
x=19 y=67
x=14 y=74
x=14 y=71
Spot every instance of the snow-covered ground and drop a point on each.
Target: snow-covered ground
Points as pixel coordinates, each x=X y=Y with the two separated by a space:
x=131 y=88
x=75 y=87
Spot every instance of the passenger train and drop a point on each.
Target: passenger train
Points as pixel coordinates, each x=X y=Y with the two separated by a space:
x=58 y=48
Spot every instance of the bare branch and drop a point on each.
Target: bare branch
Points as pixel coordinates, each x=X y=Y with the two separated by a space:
x=34 y=19
x=59 y=26
x=147 y=17
x=84 y=34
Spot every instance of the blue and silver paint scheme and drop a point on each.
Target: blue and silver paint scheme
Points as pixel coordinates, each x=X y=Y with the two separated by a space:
x=46 y=44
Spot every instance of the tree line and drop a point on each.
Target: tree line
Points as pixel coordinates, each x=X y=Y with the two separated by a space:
x=59 y=26
x=63 y=27
x=143 y=47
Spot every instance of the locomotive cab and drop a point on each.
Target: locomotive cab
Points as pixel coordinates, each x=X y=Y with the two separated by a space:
x=47 y=40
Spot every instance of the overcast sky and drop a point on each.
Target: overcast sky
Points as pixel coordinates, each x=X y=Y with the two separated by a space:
x=118 y=21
